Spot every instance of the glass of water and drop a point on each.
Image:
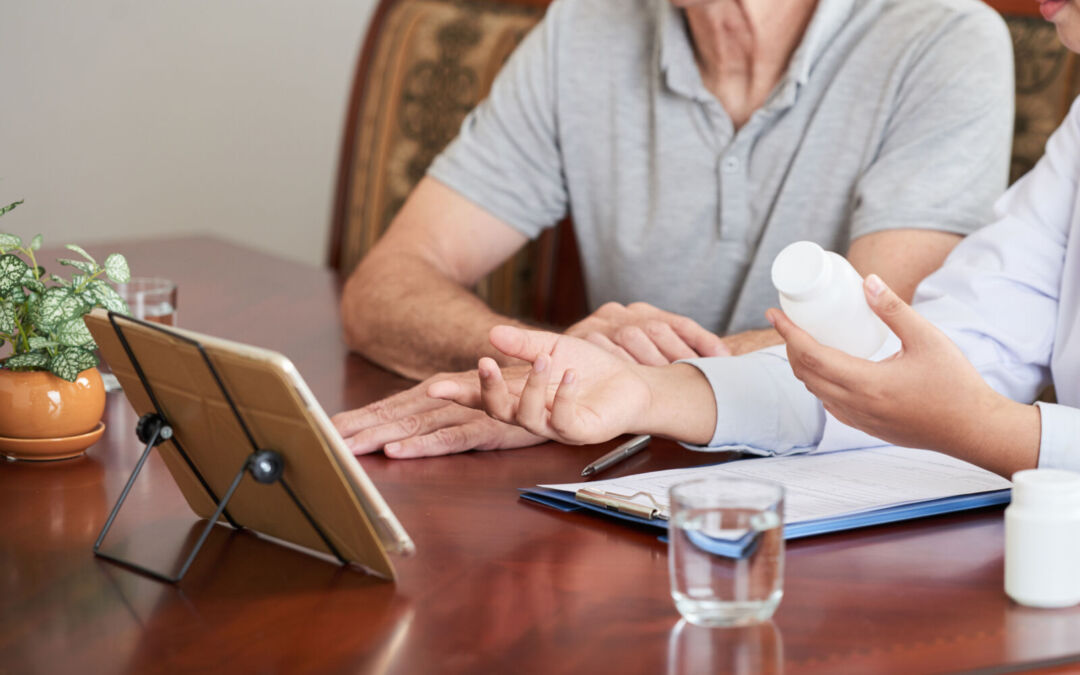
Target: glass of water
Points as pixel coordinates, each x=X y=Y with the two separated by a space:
x=726 y=550
x=150 y=299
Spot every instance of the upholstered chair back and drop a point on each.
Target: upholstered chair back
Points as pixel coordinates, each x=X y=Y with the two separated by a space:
x=424 y=65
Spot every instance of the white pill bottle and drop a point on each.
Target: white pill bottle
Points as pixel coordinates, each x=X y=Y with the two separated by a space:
x=822 y=293
x=1042 y=538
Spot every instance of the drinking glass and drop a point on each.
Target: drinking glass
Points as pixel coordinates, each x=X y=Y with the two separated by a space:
x=726 y=550
x=150 y=299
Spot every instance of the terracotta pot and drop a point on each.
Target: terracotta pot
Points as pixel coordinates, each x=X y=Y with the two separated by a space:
x=41 y=405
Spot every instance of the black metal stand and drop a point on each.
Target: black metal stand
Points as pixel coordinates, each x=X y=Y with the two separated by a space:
x=265 y=466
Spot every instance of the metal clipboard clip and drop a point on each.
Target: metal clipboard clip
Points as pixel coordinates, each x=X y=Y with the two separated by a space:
x=624 y=503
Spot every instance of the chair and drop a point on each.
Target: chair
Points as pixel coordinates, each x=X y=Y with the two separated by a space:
x=1047 y=81
x=424 y=65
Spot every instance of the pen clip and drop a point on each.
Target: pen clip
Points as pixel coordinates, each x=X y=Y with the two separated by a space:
x=623 y=503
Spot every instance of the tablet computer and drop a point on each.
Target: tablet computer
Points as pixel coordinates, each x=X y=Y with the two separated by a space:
x=279 y=412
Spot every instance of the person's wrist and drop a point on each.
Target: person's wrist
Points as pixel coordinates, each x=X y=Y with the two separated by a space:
x=680 y=404
x=1005 y=434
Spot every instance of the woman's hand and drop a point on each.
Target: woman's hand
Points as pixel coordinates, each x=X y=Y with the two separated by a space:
x=927 y=395
x=577 y=393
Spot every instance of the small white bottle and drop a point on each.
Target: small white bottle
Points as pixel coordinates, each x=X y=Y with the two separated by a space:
x=1042 y=538
x=822 y=293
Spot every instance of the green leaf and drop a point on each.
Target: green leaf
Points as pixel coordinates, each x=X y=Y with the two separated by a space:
x=33 y=284
x=80 y=251
x=12 y=271
x=8 y=324
x=37 y=343
x=84 y=267
x=9 y=241
x=28 y=361
x=55 y=306
x=35 y=243
x=74 y=333
x=116 y=268
x=70 y=361
x=10 y=207
x=107 y=297
x=58 y=280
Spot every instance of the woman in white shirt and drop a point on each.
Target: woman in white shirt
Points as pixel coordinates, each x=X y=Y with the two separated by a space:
x=991 y=329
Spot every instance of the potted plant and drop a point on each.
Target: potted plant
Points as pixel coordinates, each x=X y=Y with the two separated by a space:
x=51 y=395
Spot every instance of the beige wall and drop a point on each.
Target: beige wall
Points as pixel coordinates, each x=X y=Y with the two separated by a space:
x=123 y=118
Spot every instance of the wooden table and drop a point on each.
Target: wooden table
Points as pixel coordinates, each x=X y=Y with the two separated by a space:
x=497 y=585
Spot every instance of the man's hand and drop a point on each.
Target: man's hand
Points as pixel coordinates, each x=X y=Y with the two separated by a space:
x=578 y=393
x=927 y=395
x=412 y=424
x=641 y=333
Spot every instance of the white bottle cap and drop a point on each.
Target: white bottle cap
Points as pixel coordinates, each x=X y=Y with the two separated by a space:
x=801 y=269
x=1046 y=488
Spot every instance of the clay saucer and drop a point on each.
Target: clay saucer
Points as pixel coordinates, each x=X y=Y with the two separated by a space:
x=42 y=449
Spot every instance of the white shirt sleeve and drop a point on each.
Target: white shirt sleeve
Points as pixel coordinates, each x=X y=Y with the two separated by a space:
x=1060 y=437
x=760 y=407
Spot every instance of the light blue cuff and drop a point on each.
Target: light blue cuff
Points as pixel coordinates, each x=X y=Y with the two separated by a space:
x=760 y=407
x=1059 y=447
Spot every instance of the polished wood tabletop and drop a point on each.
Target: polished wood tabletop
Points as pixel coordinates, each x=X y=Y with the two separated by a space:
x=497 y=584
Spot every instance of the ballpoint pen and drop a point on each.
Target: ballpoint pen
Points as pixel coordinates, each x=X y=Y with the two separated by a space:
x=627 y=449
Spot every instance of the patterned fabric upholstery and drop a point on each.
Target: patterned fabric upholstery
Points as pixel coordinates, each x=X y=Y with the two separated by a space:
x=1047 y=81
x=426 y=63
x=429 y=62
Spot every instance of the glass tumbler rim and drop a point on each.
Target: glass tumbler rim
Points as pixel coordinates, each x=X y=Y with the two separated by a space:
x=769 y=492
x=156 y=284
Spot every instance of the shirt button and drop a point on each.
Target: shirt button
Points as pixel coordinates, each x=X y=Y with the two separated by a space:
x=730 y=164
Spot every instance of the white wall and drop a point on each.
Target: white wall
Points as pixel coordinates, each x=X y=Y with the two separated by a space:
x=135 y=118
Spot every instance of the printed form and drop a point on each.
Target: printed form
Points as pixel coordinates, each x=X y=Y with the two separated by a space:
x=824 y=485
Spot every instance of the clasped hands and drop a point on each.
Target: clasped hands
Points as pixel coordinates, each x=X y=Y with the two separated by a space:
x=446 y=413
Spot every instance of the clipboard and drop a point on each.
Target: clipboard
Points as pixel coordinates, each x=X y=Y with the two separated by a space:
x=247 y=444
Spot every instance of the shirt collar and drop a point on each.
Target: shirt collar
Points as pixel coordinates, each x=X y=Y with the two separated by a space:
x=676 y=52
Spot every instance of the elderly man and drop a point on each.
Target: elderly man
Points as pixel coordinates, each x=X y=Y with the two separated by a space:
x=690 y=140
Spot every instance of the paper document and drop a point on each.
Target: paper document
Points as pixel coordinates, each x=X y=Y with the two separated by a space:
x=828 y=485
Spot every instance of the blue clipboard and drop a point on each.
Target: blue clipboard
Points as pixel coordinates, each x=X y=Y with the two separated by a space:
x=738 y=548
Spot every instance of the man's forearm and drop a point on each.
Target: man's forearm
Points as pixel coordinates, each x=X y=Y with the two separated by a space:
x=403 y=315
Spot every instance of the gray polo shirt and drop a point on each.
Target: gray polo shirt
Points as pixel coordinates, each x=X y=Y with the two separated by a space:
x=892 y=114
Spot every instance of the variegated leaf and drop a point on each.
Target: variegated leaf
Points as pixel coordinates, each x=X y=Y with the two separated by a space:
x=73 y=333
x=107 y=297
x=9 y=207
x=37 y=343
x=9 y=241
x=33 y=284
x=55 y=306
x=35 y=243
x=70 y=361
x=28 y=361
x=8 y=324
x=82 y=266
x=80 y=251
x=116 y=268
x=12 y=271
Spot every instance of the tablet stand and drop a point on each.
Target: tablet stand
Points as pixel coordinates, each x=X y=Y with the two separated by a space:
x=153 y=429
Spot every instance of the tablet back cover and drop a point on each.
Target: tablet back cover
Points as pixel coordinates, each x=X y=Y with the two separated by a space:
x=206 y=428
